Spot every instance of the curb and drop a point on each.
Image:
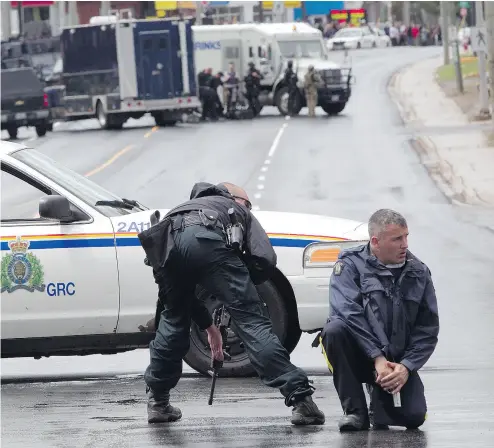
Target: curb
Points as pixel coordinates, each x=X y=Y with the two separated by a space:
x=439 y=169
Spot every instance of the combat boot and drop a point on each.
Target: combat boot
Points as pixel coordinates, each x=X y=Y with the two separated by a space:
x=354 y=422
x=160 y=410
x=306 y=412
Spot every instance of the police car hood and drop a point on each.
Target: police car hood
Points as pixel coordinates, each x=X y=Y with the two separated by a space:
x=300 y=226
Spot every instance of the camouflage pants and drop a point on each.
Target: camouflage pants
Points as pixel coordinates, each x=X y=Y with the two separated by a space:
x=311 y=98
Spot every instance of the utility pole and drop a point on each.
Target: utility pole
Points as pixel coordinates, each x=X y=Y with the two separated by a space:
x=406 y=13
x=6 y=25
x=261 y=13
x=444 y=8
x=489 y=28
x=20 y=15
x=198 y=13
x=484 y=93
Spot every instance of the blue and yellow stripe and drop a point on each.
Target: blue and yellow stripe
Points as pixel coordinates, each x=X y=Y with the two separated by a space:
x=129 y=239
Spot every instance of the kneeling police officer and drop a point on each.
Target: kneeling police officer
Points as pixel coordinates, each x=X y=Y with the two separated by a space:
x=189 y=247
x=383 y=328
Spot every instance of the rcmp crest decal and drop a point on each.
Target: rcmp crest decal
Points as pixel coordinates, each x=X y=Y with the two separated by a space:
x=21 y=269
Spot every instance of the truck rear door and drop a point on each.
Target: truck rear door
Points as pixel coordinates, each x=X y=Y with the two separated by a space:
x=154 y=56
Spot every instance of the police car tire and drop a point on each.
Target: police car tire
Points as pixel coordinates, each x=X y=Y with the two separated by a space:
x=240 y=366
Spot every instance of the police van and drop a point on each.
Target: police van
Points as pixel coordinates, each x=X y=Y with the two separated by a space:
x=270 y=46
x=74 y=282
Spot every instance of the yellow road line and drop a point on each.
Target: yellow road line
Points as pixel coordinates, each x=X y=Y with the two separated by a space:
x=153 y=129
x=109 y=161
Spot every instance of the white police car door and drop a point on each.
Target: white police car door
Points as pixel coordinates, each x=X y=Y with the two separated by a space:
x=56 y=279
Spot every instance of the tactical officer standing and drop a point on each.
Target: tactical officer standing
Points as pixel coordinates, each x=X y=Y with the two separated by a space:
x=205 y=93
x=291 y=80
x=253 y=88
x=312 y=81
x=382 y=329
x=189 y=247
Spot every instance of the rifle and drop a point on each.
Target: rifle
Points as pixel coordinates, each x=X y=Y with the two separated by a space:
x=221 y=319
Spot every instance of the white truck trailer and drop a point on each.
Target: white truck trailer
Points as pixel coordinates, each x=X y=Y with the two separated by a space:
x=270 y=46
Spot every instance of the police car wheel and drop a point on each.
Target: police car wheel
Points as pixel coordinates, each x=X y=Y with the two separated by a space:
x=198 y=356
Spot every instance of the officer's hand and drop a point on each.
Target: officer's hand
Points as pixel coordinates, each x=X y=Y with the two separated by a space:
x=382 y=368
x=215 y=342
x=393 y=382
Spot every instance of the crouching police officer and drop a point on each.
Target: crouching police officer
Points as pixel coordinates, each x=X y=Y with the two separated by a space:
x=189 y=247
x=383 y=327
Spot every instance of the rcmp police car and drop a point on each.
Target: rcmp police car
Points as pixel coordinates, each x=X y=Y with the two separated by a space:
x=73 y=280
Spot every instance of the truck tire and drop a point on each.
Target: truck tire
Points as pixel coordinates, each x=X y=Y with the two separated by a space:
x=333 y=108
x=41 y=130
x=199 y=357
x=108 y=121
x=281 y=102
x=12 y=130
x=163 y=119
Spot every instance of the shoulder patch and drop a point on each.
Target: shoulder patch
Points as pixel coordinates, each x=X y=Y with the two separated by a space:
x=338 y=267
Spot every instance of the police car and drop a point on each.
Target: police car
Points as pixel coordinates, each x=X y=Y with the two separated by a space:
x=73 y=280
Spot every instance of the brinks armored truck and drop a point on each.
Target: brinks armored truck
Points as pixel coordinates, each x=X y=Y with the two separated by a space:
x=270 y=46
x=117 y=68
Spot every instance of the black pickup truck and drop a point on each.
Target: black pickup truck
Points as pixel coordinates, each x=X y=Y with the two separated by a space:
x=24 y=102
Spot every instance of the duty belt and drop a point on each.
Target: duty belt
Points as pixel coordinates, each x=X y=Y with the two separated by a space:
x=191 y=219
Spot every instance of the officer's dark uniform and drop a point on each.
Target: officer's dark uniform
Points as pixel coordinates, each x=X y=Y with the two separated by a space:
x=291 y=80
x=380 y=311
x=253 y=87
x=214 y=83
x=183 y=253
x=206 y=95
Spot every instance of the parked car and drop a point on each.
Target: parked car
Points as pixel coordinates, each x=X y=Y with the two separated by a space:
x=74 y=282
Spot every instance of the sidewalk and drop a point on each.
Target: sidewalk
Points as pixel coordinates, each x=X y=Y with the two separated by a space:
x=455 y=153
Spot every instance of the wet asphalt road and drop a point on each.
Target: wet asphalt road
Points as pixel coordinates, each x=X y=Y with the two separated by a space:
x=112 y=413
x=345 y=166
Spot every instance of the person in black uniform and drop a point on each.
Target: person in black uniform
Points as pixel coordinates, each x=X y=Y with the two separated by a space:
x=291 y=80
x=205 y=94
x=253 y=88
x=189 y=247
x=214 y=83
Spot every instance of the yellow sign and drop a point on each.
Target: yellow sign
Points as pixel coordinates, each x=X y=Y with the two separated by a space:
x=288 y=4
x=165 y=6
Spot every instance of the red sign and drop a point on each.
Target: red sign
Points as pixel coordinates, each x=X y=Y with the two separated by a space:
x=32 y=4
x=342 y=15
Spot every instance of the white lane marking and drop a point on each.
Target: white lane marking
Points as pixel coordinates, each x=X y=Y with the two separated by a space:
x=276 y=140
x=267 y=162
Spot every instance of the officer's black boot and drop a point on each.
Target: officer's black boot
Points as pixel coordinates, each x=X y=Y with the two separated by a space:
x=159 y=408
x=354 y=422
x=306 y=412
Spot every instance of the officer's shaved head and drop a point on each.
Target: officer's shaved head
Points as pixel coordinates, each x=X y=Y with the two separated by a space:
x=238 y=193
x=235 y=190
x=383 y=218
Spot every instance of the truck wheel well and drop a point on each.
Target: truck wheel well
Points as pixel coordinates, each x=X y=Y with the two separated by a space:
x=285 y=289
